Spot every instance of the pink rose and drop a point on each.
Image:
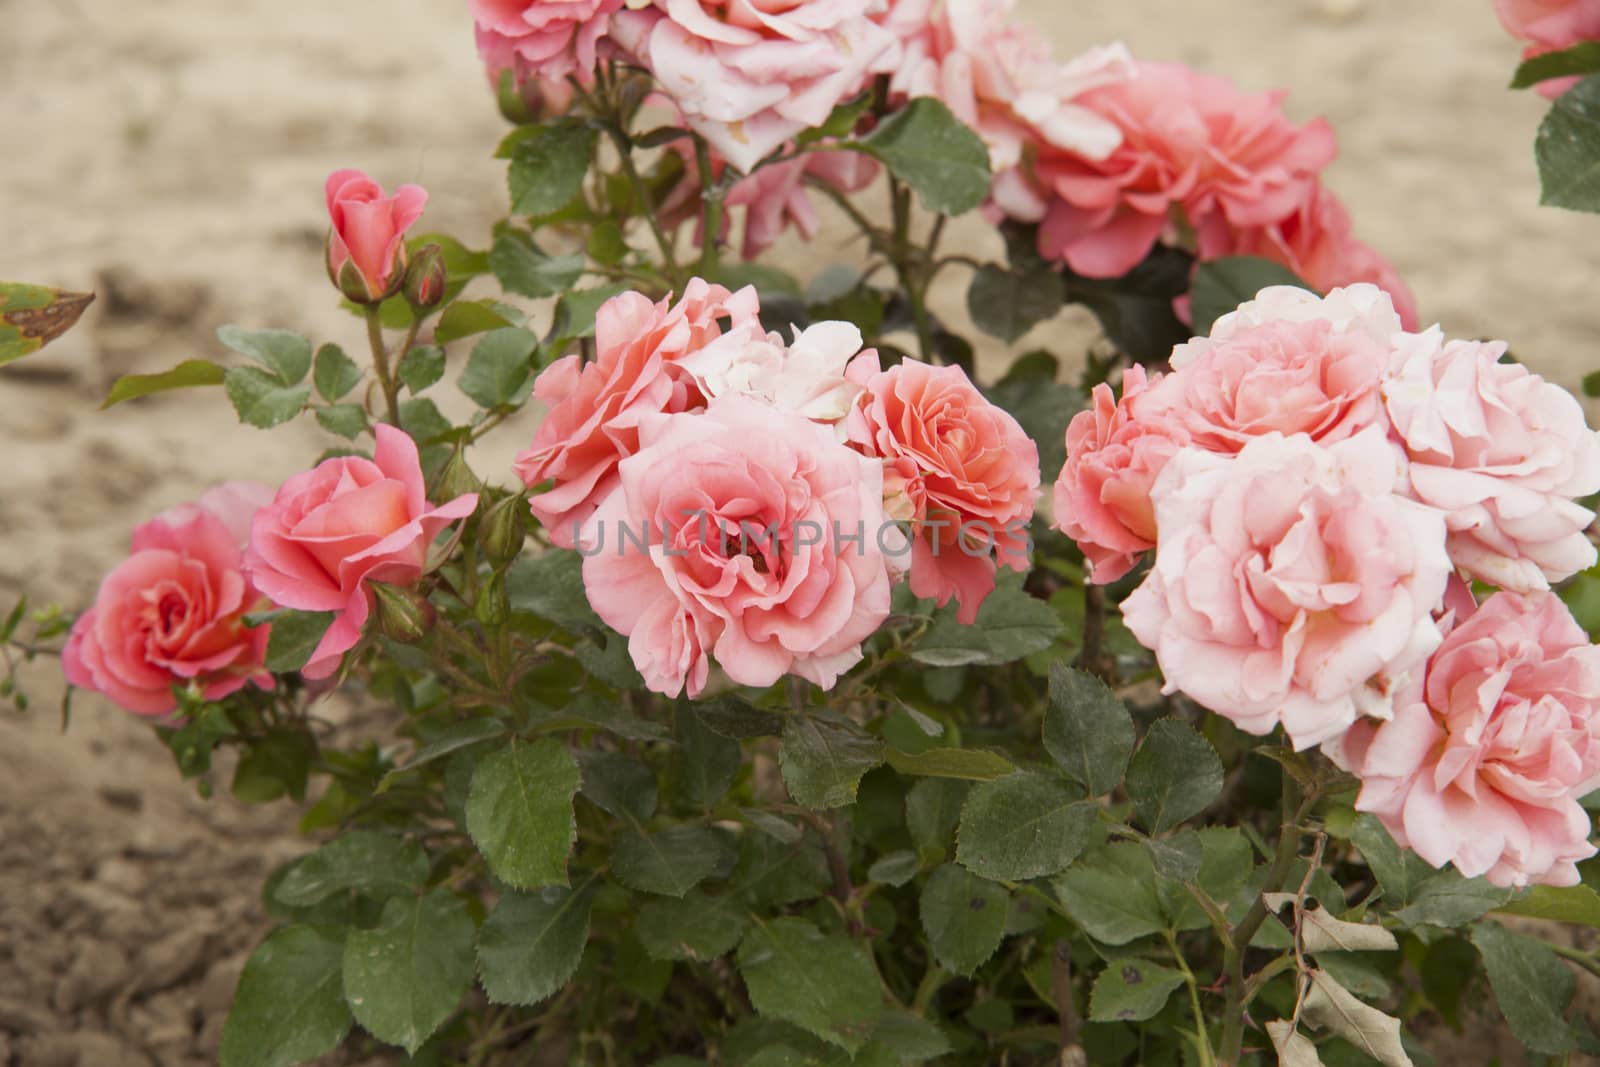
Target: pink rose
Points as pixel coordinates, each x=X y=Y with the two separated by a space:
x=368 y=234
x=1115 y=451
x=968 y=472
x=1318 y=243
x=550 y=39
x=1277 y=377
x=595 y=408
x=763 y=537
x=347 y=522
x=172 y=613
x=1504 y=454
x=750 y=74
x=1550 y=26
x=1188 y=140
x=1359 y=308
x=1489 y=750
x=807 y=377
x=1291 y=584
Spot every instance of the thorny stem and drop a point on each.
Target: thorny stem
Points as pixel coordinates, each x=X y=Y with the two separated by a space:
x=380 y=365
x=1092 y=655
x=1299 y=921
x=912 y=280
x=711 y=194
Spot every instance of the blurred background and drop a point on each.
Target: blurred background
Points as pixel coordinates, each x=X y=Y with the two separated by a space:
x=170 y=156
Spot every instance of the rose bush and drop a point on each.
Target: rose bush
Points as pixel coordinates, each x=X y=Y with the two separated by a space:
x=753 y=714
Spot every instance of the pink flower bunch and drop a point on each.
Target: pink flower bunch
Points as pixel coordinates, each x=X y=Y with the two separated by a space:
x=172 y=613
x=1550 y=26
x=543 y=41
x=741 y=495
x=1315 y=482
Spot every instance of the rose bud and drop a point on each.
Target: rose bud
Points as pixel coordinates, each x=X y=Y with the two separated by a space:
x=425 y=279
x=403 y=615
x=366 y=251
x=502 y=533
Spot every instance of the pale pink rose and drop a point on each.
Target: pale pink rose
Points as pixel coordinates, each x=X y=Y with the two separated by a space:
x=368 y=231
x=1277 y=377
x=347 y=522
x=1291 y=584
x=763 y=535
x=595 y=408
x=1361 y=308
x=1489 y=750
x=750 y=74
x=1550 y=26
x=1115 y=451
x=969 y=472
x=1189 y=141
x=1504 y=454
x=806 y=377
x=551 y=39
x=1318 y=243
x=172 y=613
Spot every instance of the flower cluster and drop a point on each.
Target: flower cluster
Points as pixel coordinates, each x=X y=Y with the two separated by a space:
x=1317 y=482
x=1550 y=26
x=738 y=494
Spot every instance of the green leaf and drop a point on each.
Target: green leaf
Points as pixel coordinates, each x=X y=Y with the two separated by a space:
x=823 y=758
x=964 y=917
x=289 y=1006
x=420 y=417
x=1582 y=58
x=407 y=975
x=840 y=122
x=1221 y=285
x=260 y=399
x=1173 y=776
x=548 y=166
x=347 y=420
x=1449 y=900
x=707 y=761
x=894 y=868
x=933 y=809
x=1568 y=149
x=576 y=310
x=1087 y=730
x=295 y=635
x=1111 y=893
x=606 y=243
x=972 y=764
x=1567 y=904
x=1400 y=872
x=452 y=739
x=365 y=861
x=928 y=148
x=1131 y=990
x=421 y=367
x=467 y=317
x=500 y=364
x=770 y=873
x=1007 y=305
x=737 y=720
x=275 y=765
x=822 y=983
x=531 y=944
x=519 y=812
x=334 y=373
x=1025 y=825
x=618 y=784
x=31 y=316
x=186 y=375
x=1531 y=985
x=1178 y=857
x=1011 y=624
x=550 y=585
x=670 y=862
x=697 y=927
x=523 y=268
x=285 y=353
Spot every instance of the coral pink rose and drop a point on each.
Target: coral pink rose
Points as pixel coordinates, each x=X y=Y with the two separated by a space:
x=1115 y=451
x=1291 y=584
x=968 y=474
x=1488 y=752
x=750 y=74
x=172 y=613
x=763 y=535
x=550 y=39
x=1550 y=26
x=596 y=407
x=1277 y=377
x=1502 y=453
x=1188 y=140
x=368 y=233
x=347 y=522
x=1318 y=243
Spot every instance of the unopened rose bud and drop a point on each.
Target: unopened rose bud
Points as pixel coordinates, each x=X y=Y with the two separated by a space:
x=501 y=532
x=425 y=279
x=494 y=603
x=455 y=479
x=403 y=614
x=366 y=251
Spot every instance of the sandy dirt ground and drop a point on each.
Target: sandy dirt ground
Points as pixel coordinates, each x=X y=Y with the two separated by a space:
x=169 y=154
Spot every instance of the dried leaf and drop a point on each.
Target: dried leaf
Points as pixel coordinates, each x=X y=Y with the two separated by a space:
x=1331 y=1006
x=1321 y=932
x=1294 y=1048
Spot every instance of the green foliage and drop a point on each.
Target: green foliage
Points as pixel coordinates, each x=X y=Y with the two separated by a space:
x=1220 y=285
x=519 y=812
x=404 y=977
x=1026 y=825
x=823 y=759
x=822 y=983
x=1568 y=149
x=1581 y=59
x=295 y=635
x=289 y=1006
x=499 y=367
x=186 y=375
x=964 y=917
x=531 y=943
x=548 y=164
x=1173 y=776
x=928 y=148
x=1087 y=731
